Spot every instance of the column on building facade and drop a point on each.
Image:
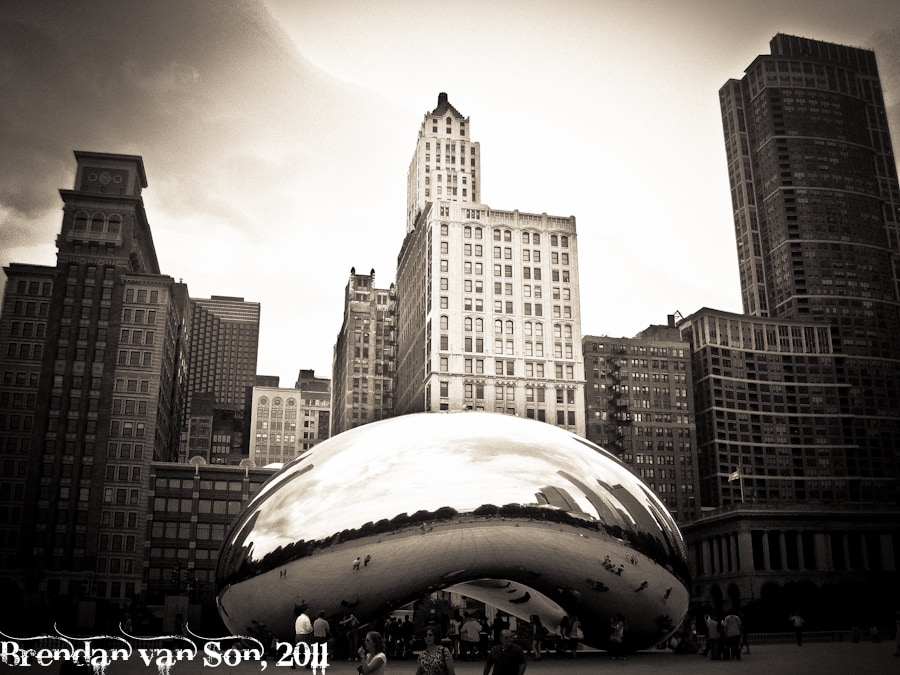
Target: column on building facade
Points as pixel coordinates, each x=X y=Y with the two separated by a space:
x=864 y=552
x=801 y=560
x=845 y=543
x=708 y=559
x=736 y=551
x=729 y=543
x=782 y=544
x=823 y=552
x=887 y=553
x=745 y=550
x=767 y=562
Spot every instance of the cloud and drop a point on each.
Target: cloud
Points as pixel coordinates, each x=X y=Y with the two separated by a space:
x=244 y=143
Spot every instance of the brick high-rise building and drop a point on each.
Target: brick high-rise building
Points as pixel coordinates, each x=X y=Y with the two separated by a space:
x=488 y=300
x=93 y=364
x=364 y=355
x=640 y=407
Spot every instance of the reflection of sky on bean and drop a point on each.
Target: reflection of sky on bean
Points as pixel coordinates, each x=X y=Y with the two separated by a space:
x=372 y=473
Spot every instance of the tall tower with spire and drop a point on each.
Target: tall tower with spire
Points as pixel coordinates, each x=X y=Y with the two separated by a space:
x=488 y=300
x=446 y=164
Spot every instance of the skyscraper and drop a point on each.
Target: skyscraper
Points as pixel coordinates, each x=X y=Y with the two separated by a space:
x=640 y=407
x=224 y=345
x=364 y=355
x=816 y=212
x=93 y=369
x=797 y=400
x=224 y=341
x=488 y=300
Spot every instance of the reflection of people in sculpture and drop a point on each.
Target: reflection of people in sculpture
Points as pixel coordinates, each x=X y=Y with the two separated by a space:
x=372 y=655
x=435 y=659
x=507 y=658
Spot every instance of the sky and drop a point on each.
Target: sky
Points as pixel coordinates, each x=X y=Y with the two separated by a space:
x=276 y=136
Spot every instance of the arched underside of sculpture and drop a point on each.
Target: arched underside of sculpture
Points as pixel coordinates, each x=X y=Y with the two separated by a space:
x=519 y=514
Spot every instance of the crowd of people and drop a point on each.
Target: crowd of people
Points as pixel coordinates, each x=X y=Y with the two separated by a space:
x=505 y=645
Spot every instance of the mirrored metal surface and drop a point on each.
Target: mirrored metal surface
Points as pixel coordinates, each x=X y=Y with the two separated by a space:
x=514 y=512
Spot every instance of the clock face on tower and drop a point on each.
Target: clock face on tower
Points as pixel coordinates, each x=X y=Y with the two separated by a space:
x=110 y=181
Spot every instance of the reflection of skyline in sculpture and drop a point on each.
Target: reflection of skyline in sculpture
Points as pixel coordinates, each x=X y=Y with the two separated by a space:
x=461 y=500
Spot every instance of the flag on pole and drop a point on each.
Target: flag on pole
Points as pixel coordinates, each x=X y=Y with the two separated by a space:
x=736 y=475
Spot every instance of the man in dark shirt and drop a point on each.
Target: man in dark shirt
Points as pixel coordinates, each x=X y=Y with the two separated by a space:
x=507 y=658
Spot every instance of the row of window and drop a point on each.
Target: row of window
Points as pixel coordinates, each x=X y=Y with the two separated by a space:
x=20 y=378
x=475 y=390
x=121 y=496
x=171 y=530
x=229 y=507
x=24 y=287
x=24 y=351
x=116 y=542
x=141 y=296
x=115 y=565
x=98 y=222
x=119 y=518
x=87 y=292
x=126 y=428
x=129 y=385
x=129 y=406
x=30 y=308
x=123 y=473
x=205 y=484
x=139 y=316
x=137 y=337
x=27 y=329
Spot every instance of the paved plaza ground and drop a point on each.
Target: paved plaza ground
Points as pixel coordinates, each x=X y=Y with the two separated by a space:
x=839 y=658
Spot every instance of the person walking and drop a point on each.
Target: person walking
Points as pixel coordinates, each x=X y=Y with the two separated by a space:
x=321 y=629
x=506 y=658
x=350 y=624
x=797 y=624
x=576 y=635
x=732 y=626
x=435 y=659
x=470 y=637
x=617 y=638
x=303 y=630
x=537 y=636
x=712 y=637
x=897 y=634
x=744 y=642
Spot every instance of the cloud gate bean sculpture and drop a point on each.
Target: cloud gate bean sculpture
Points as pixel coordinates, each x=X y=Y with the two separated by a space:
x=516 y=513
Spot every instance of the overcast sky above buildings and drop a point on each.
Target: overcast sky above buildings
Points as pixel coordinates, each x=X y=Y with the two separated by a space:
x=276 y=136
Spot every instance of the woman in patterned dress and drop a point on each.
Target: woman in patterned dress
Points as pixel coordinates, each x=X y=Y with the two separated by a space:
x=435 y=659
